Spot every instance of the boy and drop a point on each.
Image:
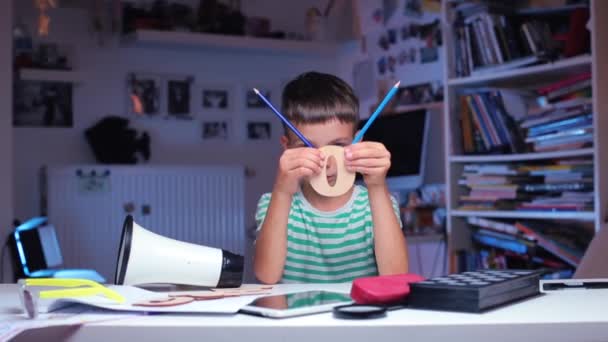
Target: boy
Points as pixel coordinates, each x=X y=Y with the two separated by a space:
x=306 y=237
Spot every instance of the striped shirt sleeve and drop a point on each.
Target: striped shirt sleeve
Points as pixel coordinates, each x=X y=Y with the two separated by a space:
x=261 y=210
x=397 y=211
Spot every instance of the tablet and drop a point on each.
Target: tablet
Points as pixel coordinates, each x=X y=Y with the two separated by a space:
x=296 y=304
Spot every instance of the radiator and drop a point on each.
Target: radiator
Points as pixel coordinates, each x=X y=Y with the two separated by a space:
x=87 y=206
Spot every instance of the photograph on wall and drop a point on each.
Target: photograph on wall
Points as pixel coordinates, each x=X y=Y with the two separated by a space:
x=259 y=130
x=429 y=55
x=253 y=101
x=179 y=97
x=216 y=98
x=144 y=94
x=43 y=104
x=216 y=130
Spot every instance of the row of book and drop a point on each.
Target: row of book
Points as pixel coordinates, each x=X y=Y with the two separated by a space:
x=563 y=185
x=531 y=244
x=490 y=37
x=486 y=126
x=564 y=118
x=560 y=118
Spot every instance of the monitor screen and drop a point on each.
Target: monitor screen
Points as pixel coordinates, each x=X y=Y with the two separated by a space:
x=404 y=136
x=32 y=256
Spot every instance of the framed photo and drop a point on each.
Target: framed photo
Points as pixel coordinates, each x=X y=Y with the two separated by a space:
x=259 y=130
x=216 y=130
x=144 y=94
x=253 y=101
x=179 y=97
x=216 y=98
x=43 y=104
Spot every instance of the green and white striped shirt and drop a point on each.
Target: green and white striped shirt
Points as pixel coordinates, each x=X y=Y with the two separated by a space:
x=328 y=247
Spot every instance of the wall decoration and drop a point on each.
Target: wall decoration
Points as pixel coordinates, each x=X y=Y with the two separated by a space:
x=179 y=97
x=253 y=101
x=428 y=54
x=431 y=33
x=259 y=130
x=413 y=8
x=407 y=56
x=216 y=130
x=392 y=36
x=144 y=94
x=383 y=42
x=216 y=98
x=381 y=63
x=405 y=48
x=43 y=104
x=419 y=93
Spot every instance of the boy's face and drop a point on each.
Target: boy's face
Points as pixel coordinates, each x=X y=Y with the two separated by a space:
x=332 y=132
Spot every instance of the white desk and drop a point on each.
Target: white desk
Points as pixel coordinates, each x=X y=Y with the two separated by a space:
x=574 y=315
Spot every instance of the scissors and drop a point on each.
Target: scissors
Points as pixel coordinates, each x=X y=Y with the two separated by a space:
x=73 y=288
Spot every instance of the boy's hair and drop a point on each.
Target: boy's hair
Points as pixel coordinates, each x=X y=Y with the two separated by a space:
x=314 y=97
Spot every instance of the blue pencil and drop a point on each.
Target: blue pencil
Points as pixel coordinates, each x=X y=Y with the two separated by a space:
x=371 y=119
x=295 y=130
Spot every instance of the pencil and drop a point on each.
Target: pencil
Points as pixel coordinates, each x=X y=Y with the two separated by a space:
x=371 y=119
x=295 y=130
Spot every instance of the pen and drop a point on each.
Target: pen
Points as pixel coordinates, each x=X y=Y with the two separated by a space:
x=371 y=119
x=295 y=130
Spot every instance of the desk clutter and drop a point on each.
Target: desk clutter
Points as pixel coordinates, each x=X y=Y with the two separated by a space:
x=123 y=298
x=172 y=299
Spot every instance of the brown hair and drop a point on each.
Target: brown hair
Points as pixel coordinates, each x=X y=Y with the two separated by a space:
x=314 y=97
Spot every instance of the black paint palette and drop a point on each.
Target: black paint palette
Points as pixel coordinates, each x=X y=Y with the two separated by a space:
x=474 y=291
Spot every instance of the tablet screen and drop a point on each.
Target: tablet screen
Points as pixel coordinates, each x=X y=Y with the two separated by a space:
x=301 y=300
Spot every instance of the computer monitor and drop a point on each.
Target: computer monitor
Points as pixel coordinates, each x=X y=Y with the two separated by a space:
x=405 y=136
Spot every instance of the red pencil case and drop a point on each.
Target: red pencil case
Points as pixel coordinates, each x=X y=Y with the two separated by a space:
x=379 y=290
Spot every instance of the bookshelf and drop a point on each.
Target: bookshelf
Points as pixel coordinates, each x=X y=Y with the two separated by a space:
x=153 y=38
x=459 y=230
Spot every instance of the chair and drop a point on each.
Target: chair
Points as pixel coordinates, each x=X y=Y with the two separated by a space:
x=593 y=264
x=37 y=254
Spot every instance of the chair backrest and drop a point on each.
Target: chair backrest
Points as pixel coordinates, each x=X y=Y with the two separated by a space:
x=35 y=247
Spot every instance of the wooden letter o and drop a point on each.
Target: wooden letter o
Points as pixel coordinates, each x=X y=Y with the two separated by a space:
x=344 y=178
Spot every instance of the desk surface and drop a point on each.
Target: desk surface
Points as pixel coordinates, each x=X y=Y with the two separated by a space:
x=580 y=315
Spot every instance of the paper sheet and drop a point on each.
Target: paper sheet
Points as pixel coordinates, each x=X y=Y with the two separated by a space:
x=230 y=305
x=74 y=315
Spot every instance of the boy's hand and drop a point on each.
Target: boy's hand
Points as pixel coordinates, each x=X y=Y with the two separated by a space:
x=369 y=158
x=296 y=164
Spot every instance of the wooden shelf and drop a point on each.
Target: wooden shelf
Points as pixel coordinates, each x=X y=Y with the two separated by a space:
x=549 y=215
x=150 y=38
x=50 y=75
x=524 y=75
x=525 y=78
x=520 y=157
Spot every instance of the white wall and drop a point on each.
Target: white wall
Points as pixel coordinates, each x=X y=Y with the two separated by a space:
x=6 y=132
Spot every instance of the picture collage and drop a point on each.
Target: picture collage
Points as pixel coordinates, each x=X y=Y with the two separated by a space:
x=226 y=113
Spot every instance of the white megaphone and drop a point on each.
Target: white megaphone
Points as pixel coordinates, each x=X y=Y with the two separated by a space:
x=148 y=258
